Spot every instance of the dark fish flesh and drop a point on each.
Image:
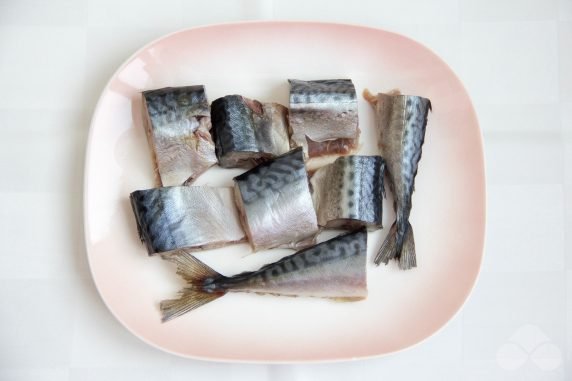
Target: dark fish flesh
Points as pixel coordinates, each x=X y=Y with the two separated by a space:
x=190 y=217
x=177 y=122
x=401 y=121
x=334 y=269
x=275 y=203
x=349 y=192
x=247 y=132
x=324 y=116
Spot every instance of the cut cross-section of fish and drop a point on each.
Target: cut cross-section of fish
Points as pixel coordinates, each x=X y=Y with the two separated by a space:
x=178 y=122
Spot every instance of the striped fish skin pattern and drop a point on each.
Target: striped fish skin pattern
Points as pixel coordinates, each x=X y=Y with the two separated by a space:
x=323 y=111
x=191 y=217
x=401 y=123
x=349 y=192
x=334 y=269
x=275 y=203
x=247 y=132
x=178 y=123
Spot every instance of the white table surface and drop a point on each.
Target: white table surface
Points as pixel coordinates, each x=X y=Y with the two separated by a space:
x=514 y=56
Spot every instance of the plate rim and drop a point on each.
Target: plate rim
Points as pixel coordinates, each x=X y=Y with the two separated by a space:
x=290 y=23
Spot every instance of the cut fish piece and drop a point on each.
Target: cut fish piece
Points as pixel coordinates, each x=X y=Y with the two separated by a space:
x=349 y=192
x=334 y=269
x=275 y=203
x=178 y=123
x=401 y=121
x=189 y=217
x=247 y=132
x=324 y=116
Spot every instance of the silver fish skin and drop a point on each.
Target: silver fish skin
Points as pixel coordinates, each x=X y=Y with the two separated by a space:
x=324 y=116
x=190 y=217
x=334 y=269
x=177 y=121
x=401 y=121
x=349 y=192
x=247 y=132
x=275 y=203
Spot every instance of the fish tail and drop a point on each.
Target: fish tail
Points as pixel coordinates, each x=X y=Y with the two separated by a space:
x=398 y=245
x=189 y=299
x=388 y=249
x=200 y=288
x=407 y=258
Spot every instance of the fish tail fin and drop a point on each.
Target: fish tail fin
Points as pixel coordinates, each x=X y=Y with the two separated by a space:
x=395 y=248
x=407 y=258
x=199 y=277
x=189 y=299
x=388 y=249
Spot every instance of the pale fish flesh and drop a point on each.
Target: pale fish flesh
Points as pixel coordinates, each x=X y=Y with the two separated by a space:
x=324 y=116
x=178 y=123
x=349 y=192
x=190 y=217
x=247 y=132
x=334 y=269
x=401 y=121
x=275 y=203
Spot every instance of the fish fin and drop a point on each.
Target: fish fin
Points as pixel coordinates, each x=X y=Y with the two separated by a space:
x=407 y=258
x=388 y=249
x=195 y=273
x=190 y=268
x=189 y=299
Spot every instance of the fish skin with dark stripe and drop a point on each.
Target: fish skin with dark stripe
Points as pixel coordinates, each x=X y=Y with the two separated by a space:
x=349 y=192
x=275 y=203
x=323 y=116
x=191 y=217
x=247 y=132
x=401 y=121
x=177 y=122
x=334 y=269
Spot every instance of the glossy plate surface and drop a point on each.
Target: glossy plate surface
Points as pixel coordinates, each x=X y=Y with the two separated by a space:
x=255 y=60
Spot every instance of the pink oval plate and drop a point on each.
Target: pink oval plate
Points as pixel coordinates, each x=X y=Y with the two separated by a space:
x=255 y=60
